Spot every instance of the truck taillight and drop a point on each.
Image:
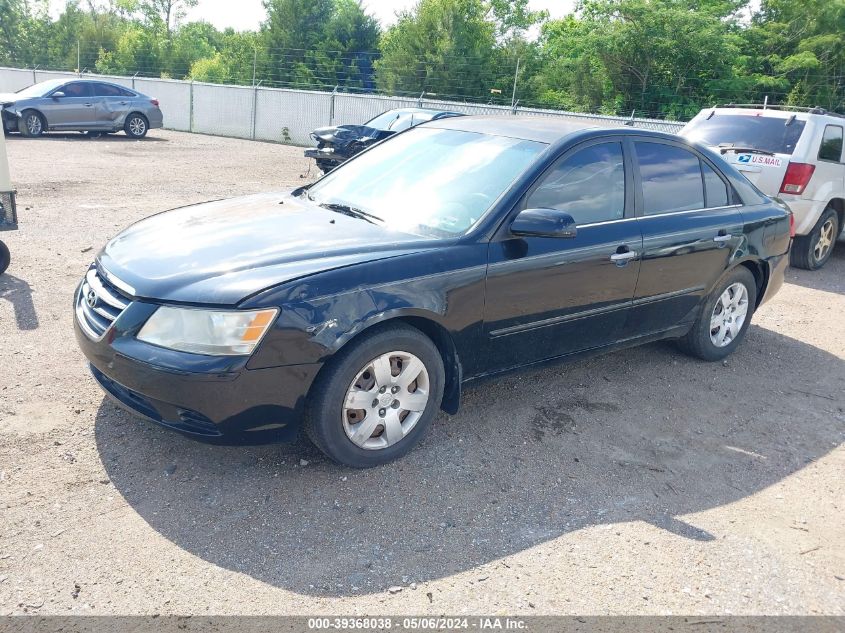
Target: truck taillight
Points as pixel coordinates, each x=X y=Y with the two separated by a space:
x=154 y=102
x=797 y=177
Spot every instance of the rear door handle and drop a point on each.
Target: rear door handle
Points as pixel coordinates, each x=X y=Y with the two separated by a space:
x=722 y=238
x=88 y=105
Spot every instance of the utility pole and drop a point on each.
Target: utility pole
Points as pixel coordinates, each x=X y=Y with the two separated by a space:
x=515 y=76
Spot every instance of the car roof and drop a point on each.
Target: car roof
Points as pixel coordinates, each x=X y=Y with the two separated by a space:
x=774 y=112
x=543 y=129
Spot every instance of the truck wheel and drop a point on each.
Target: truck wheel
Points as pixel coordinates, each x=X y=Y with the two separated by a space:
x=5 y=258
x=812 y=251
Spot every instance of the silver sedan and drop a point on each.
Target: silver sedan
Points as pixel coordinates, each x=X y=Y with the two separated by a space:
x=84 y=105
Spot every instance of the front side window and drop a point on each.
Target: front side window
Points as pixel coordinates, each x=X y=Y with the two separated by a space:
x=671 y=178
x=831 y=147
x=589 y=185
x=77 y=89
x=431 y=181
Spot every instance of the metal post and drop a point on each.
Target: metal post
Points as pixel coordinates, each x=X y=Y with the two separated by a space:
x=254 y=108
x=515 y=75
x=331 y=106
x=133 y=80
x=191 y=106
x=78 y=60
x=34 y=76
x=419 y=101
x=766 y=102
x=254 y=64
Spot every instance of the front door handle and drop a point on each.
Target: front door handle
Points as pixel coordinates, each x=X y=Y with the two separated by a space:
x=621 y=258
x=88 y=105
x=722 y=238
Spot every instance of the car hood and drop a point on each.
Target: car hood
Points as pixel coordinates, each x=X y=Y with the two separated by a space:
x=345 y=133
x=225 y=251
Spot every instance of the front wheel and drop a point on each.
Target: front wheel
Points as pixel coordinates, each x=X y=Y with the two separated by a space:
x=136 y=126
x=812 y=251
x=31 y=124
x=376 y=399
x=724 y=318
x=5 y=258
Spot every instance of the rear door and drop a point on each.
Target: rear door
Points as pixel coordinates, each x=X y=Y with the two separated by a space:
x=73 y=110
x=548 y=297
x=111 y=104
x=690 y=226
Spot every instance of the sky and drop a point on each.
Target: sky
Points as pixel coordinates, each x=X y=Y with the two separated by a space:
x=248 y=14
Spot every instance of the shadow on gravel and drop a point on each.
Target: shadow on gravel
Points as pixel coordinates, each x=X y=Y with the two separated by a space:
x=117 y=137
x=831 y=278
x=19 y=294
x=643 y=435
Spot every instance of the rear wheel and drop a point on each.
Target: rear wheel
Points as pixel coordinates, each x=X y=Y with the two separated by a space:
x=812 y=251
x=136 y=126
x=32 y=124
x=5 y=258
x=724 y=318
x=376 y=399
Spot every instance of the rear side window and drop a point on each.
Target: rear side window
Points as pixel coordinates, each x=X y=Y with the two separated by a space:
x=671 y=178
x=831 y=147
x=715 y=190
x=770 y=134
x=588 y=185
x=107 y=90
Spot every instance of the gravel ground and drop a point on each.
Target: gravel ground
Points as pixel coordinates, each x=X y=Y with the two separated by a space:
x=642 y=482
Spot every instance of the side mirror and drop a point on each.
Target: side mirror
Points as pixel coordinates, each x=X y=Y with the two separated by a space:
x=544 y=223
x=58 y=94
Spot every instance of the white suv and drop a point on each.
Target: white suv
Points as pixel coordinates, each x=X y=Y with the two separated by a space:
x=794 y=154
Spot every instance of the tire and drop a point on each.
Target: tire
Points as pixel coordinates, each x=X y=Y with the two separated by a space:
x=5 y=258
x=338 y=429
x=32 y=124
x=812 y=251
x=136 y=126
x=703 y=339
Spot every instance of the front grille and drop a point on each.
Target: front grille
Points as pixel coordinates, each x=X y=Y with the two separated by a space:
x=98 y=304
x=8 y=211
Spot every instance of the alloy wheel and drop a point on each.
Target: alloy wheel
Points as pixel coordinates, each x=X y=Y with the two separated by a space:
x=385 y=400
x=137 y=126
x=33 y=124
x=825 y=241
x=729 y=315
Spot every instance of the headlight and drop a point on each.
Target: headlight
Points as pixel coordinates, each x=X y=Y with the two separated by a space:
x=212 y=332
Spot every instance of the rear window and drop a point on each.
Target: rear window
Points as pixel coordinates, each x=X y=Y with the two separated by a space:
x=770 y=134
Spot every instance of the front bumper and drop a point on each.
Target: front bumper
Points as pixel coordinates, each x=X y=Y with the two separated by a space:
x=214 y=399
x=325 y=155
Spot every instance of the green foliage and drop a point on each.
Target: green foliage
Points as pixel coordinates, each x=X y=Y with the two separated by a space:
x=665 y=58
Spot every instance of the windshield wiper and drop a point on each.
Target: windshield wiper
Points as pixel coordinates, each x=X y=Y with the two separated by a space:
x=352 y=212
x=723 y=147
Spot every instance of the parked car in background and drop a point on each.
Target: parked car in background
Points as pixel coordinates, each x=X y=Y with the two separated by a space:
x=83 y=105
x=792 y=153
x=357 y=306
x=336 y=144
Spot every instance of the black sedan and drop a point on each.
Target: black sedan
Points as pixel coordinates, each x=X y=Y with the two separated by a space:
x=336 y=144
x=355 y=308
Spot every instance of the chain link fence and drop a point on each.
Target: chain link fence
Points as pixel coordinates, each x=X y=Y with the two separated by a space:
x=285 y=115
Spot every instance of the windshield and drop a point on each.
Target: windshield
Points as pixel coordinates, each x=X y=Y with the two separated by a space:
x=770 y=134
x=388 y=120
x=428 y=180
x=40 y=89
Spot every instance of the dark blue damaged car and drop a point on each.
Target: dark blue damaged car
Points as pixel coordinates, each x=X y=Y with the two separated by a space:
x=355 y=308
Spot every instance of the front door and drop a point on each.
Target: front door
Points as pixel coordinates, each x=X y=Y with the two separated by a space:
x=73 y=110
x=548 y=297
x=691 y=229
